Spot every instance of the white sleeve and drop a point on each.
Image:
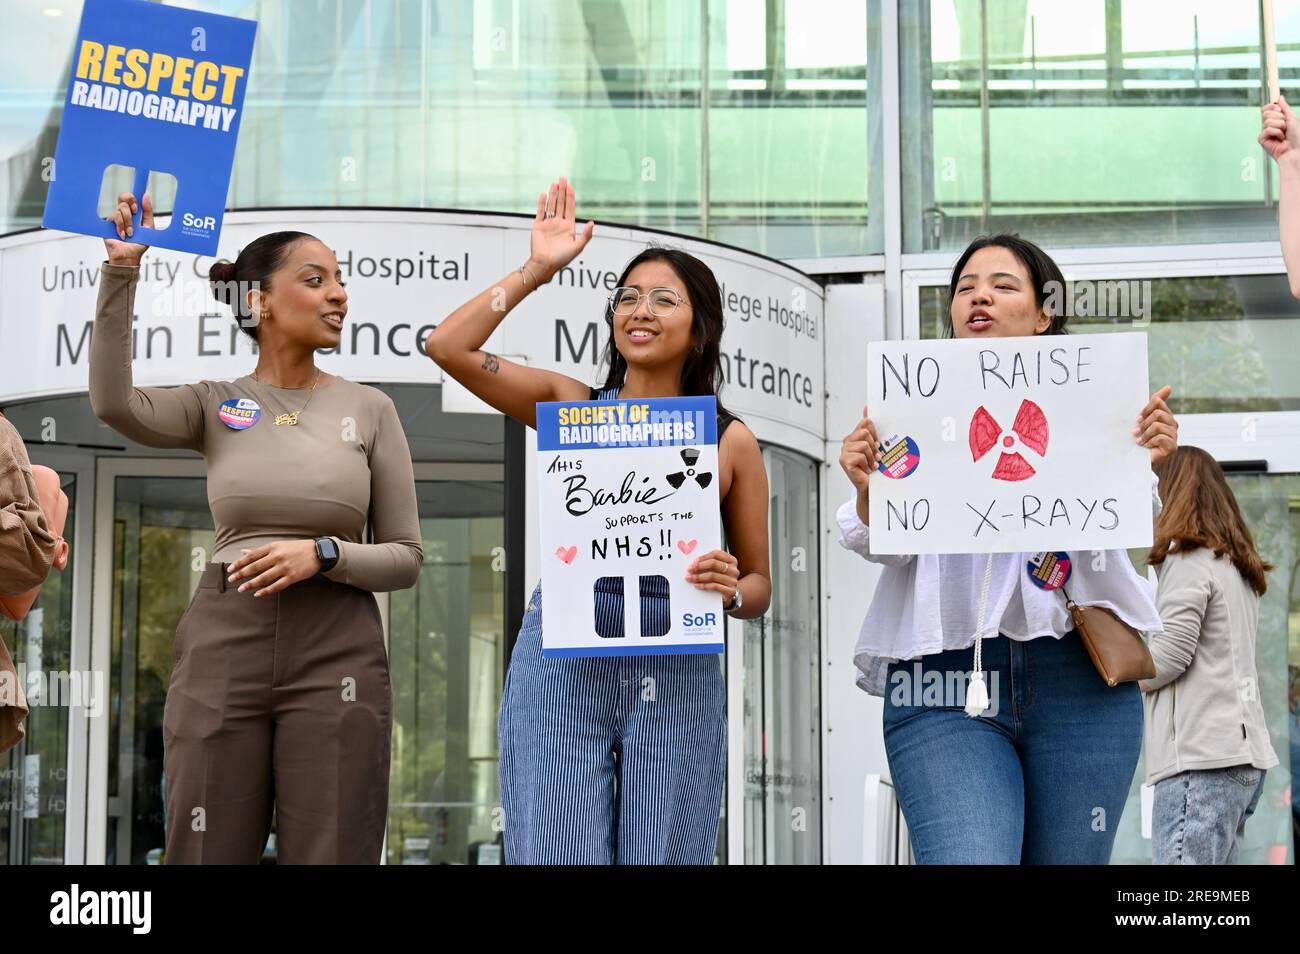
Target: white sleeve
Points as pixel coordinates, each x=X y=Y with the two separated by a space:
x=856 y=536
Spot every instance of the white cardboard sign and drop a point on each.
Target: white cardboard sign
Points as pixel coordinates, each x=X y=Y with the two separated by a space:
x=628 y=497
x=1009 y=444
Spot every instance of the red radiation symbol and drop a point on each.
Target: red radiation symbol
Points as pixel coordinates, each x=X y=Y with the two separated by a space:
x=1030 y=426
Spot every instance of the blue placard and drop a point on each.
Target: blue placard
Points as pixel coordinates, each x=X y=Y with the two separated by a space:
x=157 y=89
x=645 y=422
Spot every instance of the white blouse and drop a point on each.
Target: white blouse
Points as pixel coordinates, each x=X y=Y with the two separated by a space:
x=928 y=603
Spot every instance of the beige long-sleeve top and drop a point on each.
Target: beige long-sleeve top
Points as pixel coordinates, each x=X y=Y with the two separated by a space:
x=26 y=542
x=1204 y=711
x=345 y=459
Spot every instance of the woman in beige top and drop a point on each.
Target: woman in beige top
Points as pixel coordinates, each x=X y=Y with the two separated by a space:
x=1207 y=745
x=280 y=698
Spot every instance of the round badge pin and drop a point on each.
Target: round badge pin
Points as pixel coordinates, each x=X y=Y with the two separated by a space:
x=1049 y=571
x=239 y=414
x=901 y=457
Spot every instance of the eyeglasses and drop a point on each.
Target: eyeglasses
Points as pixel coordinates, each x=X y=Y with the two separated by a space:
x=663 y=301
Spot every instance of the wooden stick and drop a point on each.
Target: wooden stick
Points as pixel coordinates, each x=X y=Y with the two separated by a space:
x=1270 y=52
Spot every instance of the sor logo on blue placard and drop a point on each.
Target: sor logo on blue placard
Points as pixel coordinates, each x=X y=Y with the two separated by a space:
x=207 y=222
x=706 y=619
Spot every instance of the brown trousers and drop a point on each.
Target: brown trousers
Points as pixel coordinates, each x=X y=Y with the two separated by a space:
x=277 y=703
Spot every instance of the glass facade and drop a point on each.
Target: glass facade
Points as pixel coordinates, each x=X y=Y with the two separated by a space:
x=1096 y=122
x=162 y=533
x=753 y=122
x=476 y=104
x=446 y=652
x=782 y=691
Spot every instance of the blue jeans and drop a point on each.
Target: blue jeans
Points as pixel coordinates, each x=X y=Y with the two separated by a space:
x=613 y=759
x=1199 y=817
x=1040 y=778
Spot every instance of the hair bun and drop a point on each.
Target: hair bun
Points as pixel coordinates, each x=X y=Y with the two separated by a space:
x=222 y=271
x=222 y=277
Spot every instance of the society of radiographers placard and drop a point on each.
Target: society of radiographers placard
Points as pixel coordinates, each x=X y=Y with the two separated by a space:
x=628 y=497
x=1009 y=444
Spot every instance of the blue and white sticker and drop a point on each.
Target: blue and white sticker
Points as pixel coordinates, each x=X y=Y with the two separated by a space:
x=1049 y=571
x=900 y=457
x=239 y=414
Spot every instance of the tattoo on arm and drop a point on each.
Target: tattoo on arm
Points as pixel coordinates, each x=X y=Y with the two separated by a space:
x=490 y=363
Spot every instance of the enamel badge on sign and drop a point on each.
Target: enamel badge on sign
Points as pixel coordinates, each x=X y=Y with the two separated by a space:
x=239 y=413
x=900 y=456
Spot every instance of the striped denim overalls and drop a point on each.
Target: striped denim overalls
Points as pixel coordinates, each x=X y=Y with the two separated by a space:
x=613 y=759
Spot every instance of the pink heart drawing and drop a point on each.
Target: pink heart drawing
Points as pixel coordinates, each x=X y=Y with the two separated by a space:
x=686 y=546
x=568 y=555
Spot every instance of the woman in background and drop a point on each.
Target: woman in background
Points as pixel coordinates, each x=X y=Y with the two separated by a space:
x=1207 y=746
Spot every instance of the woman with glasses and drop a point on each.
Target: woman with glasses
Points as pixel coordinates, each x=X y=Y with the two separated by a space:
x=619 y=759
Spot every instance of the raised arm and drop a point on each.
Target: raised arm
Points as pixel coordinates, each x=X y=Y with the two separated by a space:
x=1280 y=137
x=456 y=344
x=156 y=417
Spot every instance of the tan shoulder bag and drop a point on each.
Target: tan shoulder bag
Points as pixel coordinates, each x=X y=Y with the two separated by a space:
x=1117 y=649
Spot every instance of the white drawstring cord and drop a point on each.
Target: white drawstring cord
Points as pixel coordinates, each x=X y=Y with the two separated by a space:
x=977 y=694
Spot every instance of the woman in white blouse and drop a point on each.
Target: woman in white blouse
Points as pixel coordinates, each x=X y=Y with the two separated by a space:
x=1042 y=774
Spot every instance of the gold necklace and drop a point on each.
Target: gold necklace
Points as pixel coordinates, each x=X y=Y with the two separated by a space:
x=292 y=419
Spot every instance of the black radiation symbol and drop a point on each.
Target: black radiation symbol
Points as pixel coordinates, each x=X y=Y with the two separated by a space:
x=689 y=456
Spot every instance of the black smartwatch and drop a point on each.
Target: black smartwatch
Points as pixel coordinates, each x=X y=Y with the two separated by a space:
x=327 y=551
